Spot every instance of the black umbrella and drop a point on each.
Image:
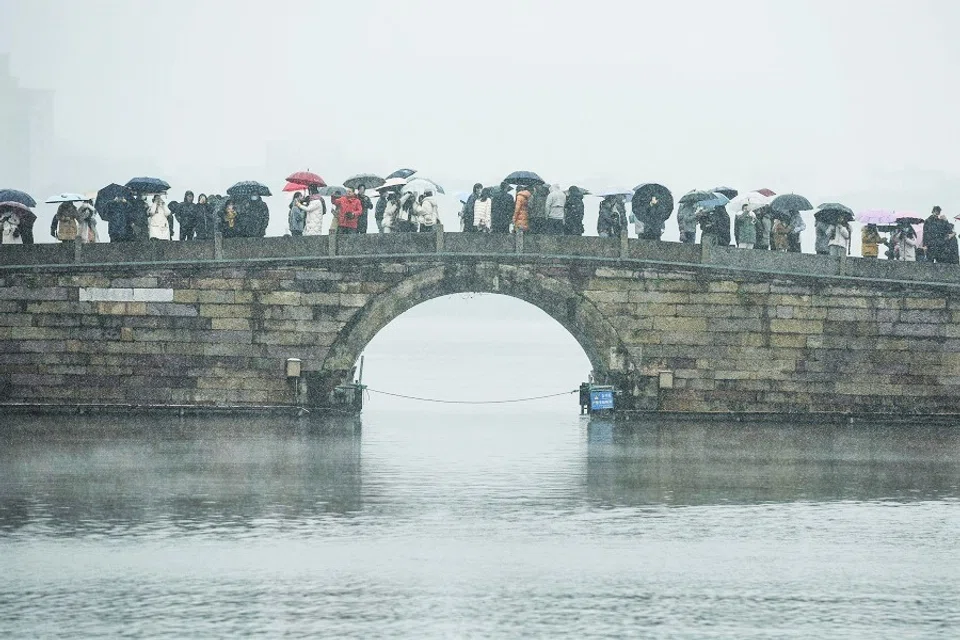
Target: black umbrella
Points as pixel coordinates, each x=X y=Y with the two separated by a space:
x=148 y=185
x=14 y=195
x=832 y=212
x=652 y=203
x=695 y=196
x=523 y=178
x=730 y=192
x=368 y=180
x=111 y=192
x=401 y=173
x=791 y=202
x=249 y=188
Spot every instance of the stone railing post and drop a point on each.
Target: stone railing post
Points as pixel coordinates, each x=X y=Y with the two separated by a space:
x=77 y=249
x=704 y=252
x=624 y=243
x=332 y=242
x=438 y=229
x=519 y=240
x=217 y=245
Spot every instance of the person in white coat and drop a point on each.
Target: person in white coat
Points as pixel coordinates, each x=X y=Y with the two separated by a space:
x=9 y=229
x=427 y=211
x=556 y=203
x=87 y=216
x=315 y=210
x=482 y=210
x=905 y=243
x=839 y=240
x=158 y=219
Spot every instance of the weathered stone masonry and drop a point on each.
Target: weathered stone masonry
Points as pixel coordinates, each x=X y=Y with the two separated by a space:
x=739 y=330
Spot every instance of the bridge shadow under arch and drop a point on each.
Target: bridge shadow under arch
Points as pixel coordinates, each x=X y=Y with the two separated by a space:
x=557 y=297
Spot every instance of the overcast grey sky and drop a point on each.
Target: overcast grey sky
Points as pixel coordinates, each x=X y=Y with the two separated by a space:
x=834 y=100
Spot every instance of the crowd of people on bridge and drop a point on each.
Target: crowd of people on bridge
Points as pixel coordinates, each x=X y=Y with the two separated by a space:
x=521 y=203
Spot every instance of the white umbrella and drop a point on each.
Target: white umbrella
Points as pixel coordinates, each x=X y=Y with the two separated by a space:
x=67 y=197
x=392 y=183
x=422 y=185
x=753 y=200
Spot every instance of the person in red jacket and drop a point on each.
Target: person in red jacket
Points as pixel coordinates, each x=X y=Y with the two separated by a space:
x=349 y=211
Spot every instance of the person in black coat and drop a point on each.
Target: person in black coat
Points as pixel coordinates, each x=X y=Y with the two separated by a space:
x=205 y=223
x=573 y=212
x=367 y=205
x=186 y=214
x=119 y=215
x=379 y=210
x=501 y=210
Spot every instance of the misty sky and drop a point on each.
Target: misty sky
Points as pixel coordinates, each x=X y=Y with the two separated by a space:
x=849 y=101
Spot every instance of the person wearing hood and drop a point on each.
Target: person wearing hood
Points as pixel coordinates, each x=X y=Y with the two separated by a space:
x=468 y=213
x=609 y=224
x=824 y=230
x=687 y=222
x=230 y=219
x=521 y=210
x=367 y=204
x=10 y=226
x=482 y=210
x=314 y=208
x=87 y=217
x=904 y=241
x=503 y=209
x=186 y=215
x=205 y=222
x=764 y=229
x=349 y=210
x=870 y=241
x=745 y=228
x=297 y=216
x=573 y=212
x=714 y=226
x=260 y=219
x=537 y=208
x=159 y=215
x=65 y=225
x=428 y=212
x=556 y=205
x=389 y=221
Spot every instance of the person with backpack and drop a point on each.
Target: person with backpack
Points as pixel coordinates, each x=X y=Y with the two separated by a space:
x=65 y=226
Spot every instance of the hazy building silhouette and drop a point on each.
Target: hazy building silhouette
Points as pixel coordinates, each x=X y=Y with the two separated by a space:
x=27 y=131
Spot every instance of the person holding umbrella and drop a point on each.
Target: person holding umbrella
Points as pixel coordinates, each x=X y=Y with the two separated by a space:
x=314 y=209
x=427 y=211
x=870 y=241
x=745 y=228
x=904 y=240
x=65 y=225
x=839 y=243
x=367 y=205
x=349 y=211
x=573 y=212
x=521 y=210
x=503 y=208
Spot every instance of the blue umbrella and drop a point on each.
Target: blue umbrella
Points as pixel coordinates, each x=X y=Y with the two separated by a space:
x=13 y=195
x=718 y=200
x=249 y=188
x=524 y=178
x=402 y=173
x=148 y=185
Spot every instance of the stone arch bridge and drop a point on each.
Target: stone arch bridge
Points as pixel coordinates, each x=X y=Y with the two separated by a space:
x=675 y=327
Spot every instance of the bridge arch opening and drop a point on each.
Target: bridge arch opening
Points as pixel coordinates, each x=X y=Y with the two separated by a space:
x=554 y=294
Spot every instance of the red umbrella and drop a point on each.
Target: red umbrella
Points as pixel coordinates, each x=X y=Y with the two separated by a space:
x=767 y=192
x=307 y=178
x=293 y=186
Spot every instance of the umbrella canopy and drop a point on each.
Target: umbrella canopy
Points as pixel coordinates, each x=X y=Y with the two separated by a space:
x=695 y=196
x=23 y=211
x=754 y=200
x=368 y=180
x=718 y=200
x=67 y=197
x=791 y=202
x=403 y=174
x=833 y=212
x=652 y=203
x=908 y=218
x=392 y=183
x=422 y=185
x=333 y=191
x=729 y=192
x=249 y=188
x=13 y=195
x=623 y=192
x=111 y=192
x=148 y=185
x=766 y=192
x=885 y=216
x=523 y=178
x=306 y=178
x=290 y=187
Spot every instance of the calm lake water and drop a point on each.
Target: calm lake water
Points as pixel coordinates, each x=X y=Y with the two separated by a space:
x=476 y=524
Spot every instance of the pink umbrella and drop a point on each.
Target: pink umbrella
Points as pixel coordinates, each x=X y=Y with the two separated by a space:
x=766 y=192
x=306 y=177
x=885 y=216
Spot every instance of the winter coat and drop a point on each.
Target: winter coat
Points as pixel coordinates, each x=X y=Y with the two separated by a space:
x=118 y=214
x=745 y=228
x=65 y=225
x=87 y=216
x=313 y=216
x=10 y=229
x=687 y=218
x=839 y=236
x=428 y=211
x=573 y=214
x=390 y=210
x=556 y=202
x=537 y=207
x=906 y=242
x=297 y=217
x=870 y=240
x=261 y=218
x=521 y=212
x=502 y=211
x=608 y=220
x=159 y=224
x=380 y=208
x=779 y=235
x=764 y=227
x=349 y=211
x=824 y=231
x=482 y=210
x=469 y=213
x=935 y=233
x=205 y=222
